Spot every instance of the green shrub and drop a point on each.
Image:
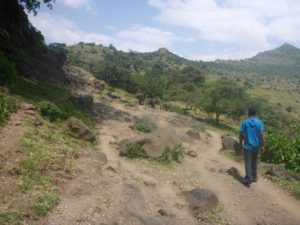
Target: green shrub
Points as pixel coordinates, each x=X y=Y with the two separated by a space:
x=7 y=70
x=135 y=151
x=49 y=110
x=5 y=108
x=169 y=155
x=177 y=154
x=284 y=148
x=45 y=203
x=143 y=128
x=177 y=109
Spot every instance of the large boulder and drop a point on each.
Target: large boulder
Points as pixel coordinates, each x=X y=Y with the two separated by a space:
x=85 y=102
x=201 y=201
x=153 y=144
x=231 y=142
x=81 y=129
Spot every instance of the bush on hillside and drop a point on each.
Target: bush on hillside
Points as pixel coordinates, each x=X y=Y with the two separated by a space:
x=5 y=108
x=7 y=70
x=284 y=147
x=49 y=110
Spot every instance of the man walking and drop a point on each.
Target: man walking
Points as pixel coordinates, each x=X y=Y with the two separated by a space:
x=251 y=132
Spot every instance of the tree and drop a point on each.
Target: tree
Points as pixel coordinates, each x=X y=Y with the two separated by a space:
x=33 y=5
x=222 y=97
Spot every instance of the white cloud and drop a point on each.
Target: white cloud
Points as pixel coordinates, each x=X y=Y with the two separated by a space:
x=246 y=24
x=144 y=39
x=60 y=29
x=138 y=38
x=86 y=4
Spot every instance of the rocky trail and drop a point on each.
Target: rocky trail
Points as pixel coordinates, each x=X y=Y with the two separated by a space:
x=111 y=190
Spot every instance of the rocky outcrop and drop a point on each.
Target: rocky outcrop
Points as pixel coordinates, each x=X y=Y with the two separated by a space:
x=153 y=144
x=231 y=142
x=190 y=136
x=81 y=129
x=201 y=201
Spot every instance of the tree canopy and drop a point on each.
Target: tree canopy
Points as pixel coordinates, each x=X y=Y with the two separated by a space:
x=222 y=97
x=33 y=5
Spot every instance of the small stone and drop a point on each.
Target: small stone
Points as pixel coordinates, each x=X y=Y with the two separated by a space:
x=37 y=123
x=27 y=106
x=192 y=154
x=149 y=183
x=162 y=212
x=30 y=112
x=112 y=169
x=17 y=123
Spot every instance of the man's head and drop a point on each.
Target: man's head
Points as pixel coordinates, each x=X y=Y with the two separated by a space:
x=252 y=111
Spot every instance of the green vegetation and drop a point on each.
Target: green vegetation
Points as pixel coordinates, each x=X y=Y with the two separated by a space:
x=38 y=91
x=293 y=186
x=166 y=158
x=7 y=70
x=5 y=108
x=49 y=110
x=143 y=128
x=222 y=97
x=177 y=109
x=135 y=151
x=284 y=147
x=47 y=155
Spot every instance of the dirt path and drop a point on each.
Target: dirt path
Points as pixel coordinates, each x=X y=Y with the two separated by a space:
x=131 y=192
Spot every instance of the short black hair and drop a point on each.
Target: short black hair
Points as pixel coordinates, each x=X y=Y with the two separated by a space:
x=252 y=111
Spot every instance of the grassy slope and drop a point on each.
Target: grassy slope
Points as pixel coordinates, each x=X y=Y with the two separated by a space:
x=47 y=156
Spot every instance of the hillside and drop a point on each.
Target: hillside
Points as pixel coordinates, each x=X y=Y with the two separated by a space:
x=283 y=61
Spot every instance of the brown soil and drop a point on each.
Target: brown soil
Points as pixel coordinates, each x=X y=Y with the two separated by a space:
x=131 y=192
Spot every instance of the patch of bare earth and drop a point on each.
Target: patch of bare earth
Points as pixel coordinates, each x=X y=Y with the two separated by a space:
x=136 y=192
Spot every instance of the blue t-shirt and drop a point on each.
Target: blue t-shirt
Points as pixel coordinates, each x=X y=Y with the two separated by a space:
x=252 y=128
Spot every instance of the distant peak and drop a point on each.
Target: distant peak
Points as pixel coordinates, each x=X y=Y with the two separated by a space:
x=287 y=46
x=163 y=51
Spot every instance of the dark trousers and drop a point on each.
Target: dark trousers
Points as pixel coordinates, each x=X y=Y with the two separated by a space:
x=250 y=165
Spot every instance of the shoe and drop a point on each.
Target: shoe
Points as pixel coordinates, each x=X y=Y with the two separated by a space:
x=254 y=179
x=247 y=184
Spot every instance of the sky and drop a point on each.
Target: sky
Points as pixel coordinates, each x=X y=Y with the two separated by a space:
x=195 y=29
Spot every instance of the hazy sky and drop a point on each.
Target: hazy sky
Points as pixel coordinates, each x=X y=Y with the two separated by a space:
x=195 y=29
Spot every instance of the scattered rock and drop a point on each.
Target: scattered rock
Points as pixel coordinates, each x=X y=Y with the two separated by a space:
x=17 y=123
x=81 y=129
x=85 y=102
x=149 y=183
x=162 y=212
x=30 y=112
x=107 y=98
x=112 y=169
x=153 y=144
x=100 y=157
x=231 y=142
x=202 y=200
x=27 y=106
x=37 y=123
x=193 y=134
x=113 y=96
x=213 y=170
x=192 y=154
